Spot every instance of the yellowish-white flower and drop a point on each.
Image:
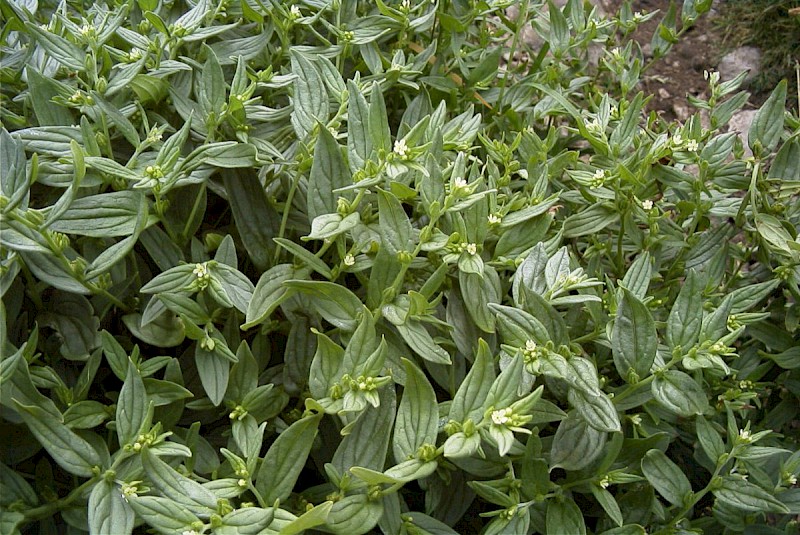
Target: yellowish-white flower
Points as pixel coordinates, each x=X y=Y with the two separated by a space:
x=200 y=270
x=502 y=416
x=692 y=145
x=400 y=148
x=349 y=260
x=294 y=11
x=494 y=219
x=472 y=248
x=647 y=205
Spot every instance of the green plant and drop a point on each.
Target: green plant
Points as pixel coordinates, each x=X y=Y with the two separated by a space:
x=272 y=268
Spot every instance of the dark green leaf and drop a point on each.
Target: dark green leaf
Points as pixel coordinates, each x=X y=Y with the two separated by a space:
x=666 y=477
x=70 y=451
x=634 y=341
x=286 y=458
x=679 y=393
x=109 y=512
x=417 y=416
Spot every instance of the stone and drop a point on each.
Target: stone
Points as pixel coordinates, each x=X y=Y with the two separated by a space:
x=745 y=58
x=681 y=111
x=740 y=123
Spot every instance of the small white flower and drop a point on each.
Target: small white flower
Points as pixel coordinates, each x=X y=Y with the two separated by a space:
x=406 y=5
x=494 y=219
x=744 y=435
x=501 y=417
x=792 y=480
x=242 y=483
x=692 y=145
x=294 y=11
x=677 y=140
x=400 y=148
x=530 y=345
x=459 y=183
x=600 y=174
x=472 y=248
x=605 y=482
x=349 y=260
x=190 y=532
x=200 y=270
x=647 y=205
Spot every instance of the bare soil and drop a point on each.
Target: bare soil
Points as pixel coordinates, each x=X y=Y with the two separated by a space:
x=680 y=74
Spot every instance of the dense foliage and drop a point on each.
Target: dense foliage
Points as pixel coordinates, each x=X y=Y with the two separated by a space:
x=387 y=267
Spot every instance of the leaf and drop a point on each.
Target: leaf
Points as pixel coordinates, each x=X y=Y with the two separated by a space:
x=306 y=256
x=317 y=516
x=335 y=303
x=597 y=409
x=378 y=120
x=686 y=316
x=102 y=215
x=742 y=495
x=471 y=394
x=211 y=86
x=576 y=444
x=310 y=100
x=59 y=48
x=608 y=503
x=417 y=415
x=214 y=371
x=109 y=512
x=286 y=458
x=767 y=124
x=164 y=514
x=70 y=451
x=359 y=140
x=710 y=440
x=268 y=294
x=246 y=521
x=368 y=441
x=181 y=490
x=634 y=340
x=328 y=226
x=256 y=219
x=354 y=514
x=236 y=286
x=679 y=393
x=419 y=339
x=666 y=477
x=328 y=173
x=564 y=517
x=132 y=406
x=396 y=231
x=589 y=221
x=637 y=278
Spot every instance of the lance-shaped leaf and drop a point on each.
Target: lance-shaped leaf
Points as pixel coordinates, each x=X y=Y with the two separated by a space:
x=686 y=316
x=634 y=341
x=368 y=441
x=131 y=406
x=310 y=100
x=666 y=477
x=396 y=231
x=70 y=451
x=180 y=489
x=164 y=514
x=334 y=302
x=470 y=396
x=564 y=517
x=328 y=173
x=109 y=512
x=745 y=496
x=576 y=444
x=286 y=458
x=679 y=393
x=417 y=416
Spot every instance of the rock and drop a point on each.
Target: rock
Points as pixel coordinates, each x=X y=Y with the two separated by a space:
x=745 y=58
x=663 y=93
x=740 y=123
x=681 y=111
